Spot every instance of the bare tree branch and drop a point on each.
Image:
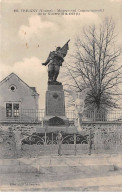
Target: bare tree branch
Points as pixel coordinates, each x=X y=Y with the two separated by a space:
x=95 y=64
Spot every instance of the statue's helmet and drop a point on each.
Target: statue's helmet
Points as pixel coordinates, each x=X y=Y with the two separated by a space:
x=58 y=48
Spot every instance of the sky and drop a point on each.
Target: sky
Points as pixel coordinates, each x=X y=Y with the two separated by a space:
x=26 y=38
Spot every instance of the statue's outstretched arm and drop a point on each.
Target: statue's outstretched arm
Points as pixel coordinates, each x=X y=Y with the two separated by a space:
x=48 y=60
x=45 y=63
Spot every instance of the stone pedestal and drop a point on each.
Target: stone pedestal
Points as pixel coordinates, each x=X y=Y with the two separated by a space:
x=55 y=106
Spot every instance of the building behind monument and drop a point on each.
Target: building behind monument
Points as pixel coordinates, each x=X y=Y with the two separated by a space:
x=15 y=98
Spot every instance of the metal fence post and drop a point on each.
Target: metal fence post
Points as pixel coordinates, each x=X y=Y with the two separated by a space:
x=75 y=143
x=52 y=138
x=94 y=115
x=45 y=138
x=90 y=142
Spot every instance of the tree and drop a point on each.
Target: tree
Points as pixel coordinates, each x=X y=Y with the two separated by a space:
x=95 y=65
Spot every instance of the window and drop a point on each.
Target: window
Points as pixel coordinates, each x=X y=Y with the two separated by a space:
x=12 y=110
x=12 y=88
x=16 y=110
x=9 y=110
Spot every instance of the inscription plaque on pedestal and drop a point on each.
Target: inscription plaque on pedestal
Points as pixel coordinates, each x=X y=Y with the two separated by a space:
x=55 y=104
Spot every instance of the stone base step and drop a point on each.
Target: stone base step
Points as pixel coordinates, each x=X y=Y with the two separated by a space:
x=36 y=168
x=37 y=165
x=66 y=160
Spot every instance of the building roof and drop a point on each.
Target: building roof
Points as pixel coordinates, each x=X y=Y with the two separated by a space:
x=13 y=74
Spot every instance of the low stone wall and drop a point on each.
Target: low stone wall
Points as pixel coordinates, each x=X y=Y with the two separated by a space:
x=11 y=136
x=30 y=128
x=112 y=126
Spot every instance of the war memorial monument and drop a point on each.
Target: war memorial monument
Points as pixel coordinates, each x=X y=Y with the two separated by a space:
x=55 y=114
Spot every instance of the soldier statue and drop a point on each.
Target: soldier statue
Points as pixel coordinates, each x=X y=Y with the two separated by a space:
x=54 y=61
